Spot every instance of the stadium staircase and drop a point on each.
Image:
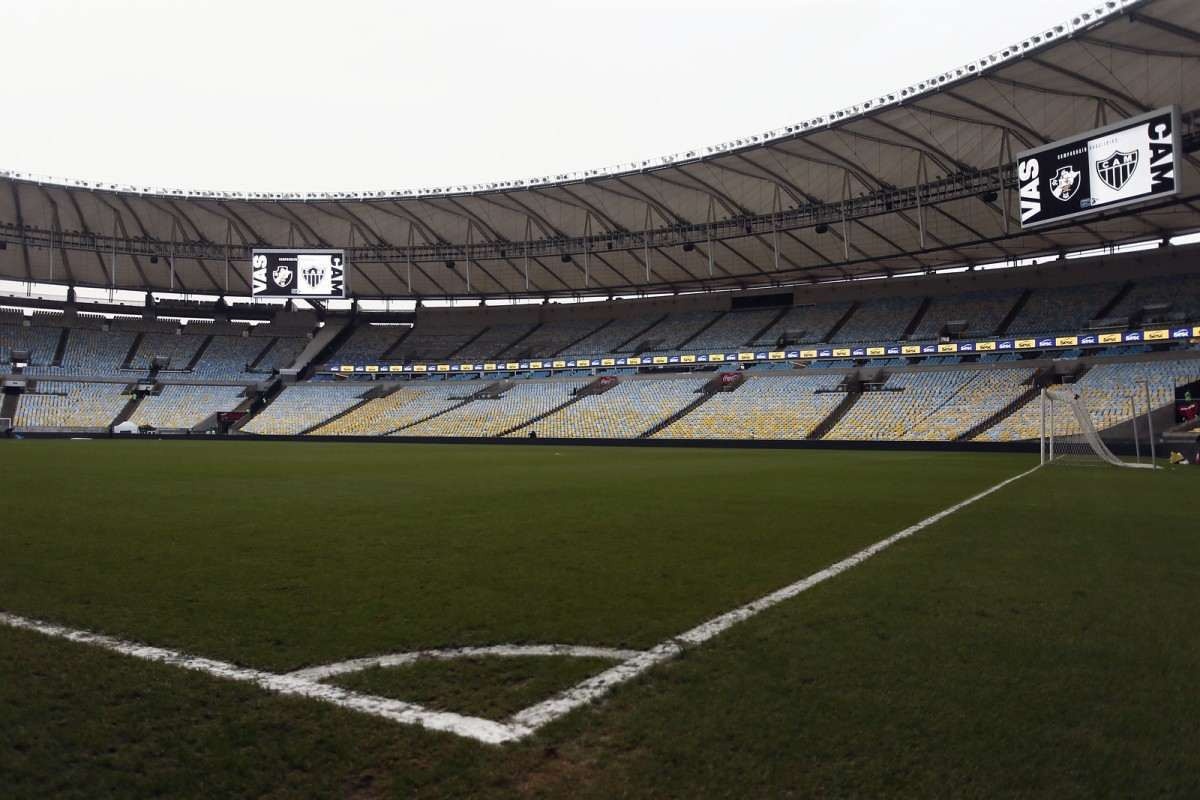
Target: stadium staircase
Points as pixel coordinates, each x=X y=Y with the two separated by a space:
x=126 y=412
x=598 y=386
x=492 y=390
x=621 y=347
x=1013 y=312
x=256 y=404
x=707 y=392
x=705 y=327
x=774 y=321
x=916 y=320
x=390 y=353
x=322 y=345
x=199 y=353
x=835 y=416
x=127 y=363
x=597 y=329
x=60 y=348
x=841 y=323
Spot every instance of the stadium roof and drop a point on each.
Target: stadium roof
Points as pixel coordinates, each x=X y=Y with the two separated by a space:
x=916 y=179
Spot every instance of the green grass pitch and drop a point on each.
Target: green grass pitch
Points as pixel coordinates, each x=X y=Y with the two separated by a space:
x=1041 y=642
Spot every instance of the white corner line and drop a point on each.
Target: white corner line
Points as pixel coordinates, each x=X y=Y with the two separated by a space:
x=306 y=682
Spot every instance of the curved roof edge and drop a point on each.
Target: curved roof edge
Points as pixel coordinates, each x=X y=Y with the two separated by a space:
x=1082 y=21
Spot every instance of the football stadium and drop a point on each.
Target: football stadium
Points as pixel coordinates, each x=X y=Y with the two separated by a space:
x=856 y=457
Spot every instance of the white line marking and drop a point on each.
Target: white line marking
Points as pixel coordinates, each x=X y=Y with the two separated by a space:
x=327 y=671
x=306 y=682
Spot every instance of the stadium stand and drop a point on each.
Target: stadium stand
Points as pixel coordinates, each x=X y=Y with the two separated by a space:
x=624 y=412
x=303 y=406
x=881 y=320
x=70 y=406
x=1106 y=390
x=432 y=341
x=406 y=405
x=369 y=342
x=1180 y=294
x=551 y=338
x=735 y=329
x=610 y=337
x=672 y=331
x=1067 y=308
x=904 y=401
x=179 y=406
x=981 y=311
x=39 y=341
x=492 y=417
x=493 y=341
x=764 y=407
x=984 y=393
x=804 y=324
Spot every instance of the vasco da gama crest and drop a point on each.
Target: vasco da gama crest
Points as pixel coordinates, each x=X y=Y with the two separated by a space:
x=1065 y=183
x=1117 y=169
x=282 y=275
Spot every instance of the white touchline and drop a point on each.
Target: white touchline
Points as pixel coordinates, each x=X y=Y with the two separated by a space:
x=307 y=682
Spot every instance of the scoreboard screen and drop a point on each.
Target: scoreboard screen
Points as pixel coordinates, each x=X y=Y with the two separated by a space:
x=307 y=274
x=1129 y=162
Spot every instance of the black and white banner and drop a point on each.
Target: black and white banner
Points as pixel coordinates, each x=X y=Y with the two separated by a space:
x=309 y=274
x=1128 y=162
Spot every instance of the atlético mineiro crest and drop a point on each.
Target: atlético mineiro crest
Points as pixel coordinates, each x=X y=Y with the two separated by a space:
x=282 y=275
x=313 y=276
x=1065 y=183
x=1117 y=169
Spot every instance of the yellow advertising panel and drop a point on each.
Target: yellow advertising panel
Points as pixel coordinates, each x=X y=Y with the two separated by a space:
x=1066 y=341
x=687 y=359
x=841 y=352
x=876 y=351
x=489 y=367
x=420 y=368
x=660 y=359
x=535 y=364
x=808 y=353
x=911 y=349
x=346 y=368
x=559 y=364
x=745 y=356
x=395 y=368
x=443 y=367
x=1157 y=336
x=582 y=362
x=608 y=362
x=372 y=368
x=776 y=355
x=1196 y=331
x=948 y=348
x=465 y=367
x=1110 y=338
x=985 y=345
x=716 y=356
x=1026 y=344
x=634 y=360
x=512 y=365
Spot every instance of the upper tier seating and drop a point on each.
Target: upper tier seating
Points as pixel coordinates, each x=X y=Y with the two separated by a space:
x=39 y=341
x=303 y=405
x=91 y=351
x=520 y=403
x=433 y=342
x=185 y=406
x=767 y=407
x=671 y=332
x=178 y=348
x=610 y=337
x=804 y=324
x=551 y=338
x=1182 y=293
x=624 y=412
x=878 y=321
x=1062 y=309
x=495 y=340
x=369 y=342
x=982 y=311
x=733 y=330
x=70 y=406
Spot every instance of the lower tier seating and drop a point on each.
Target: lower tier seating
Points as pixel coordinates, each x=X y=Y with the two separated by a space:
x=303 y=405
x=185 y=406
x=492 y=417
x=70 y=406
x=624 y=412
x=766 y=407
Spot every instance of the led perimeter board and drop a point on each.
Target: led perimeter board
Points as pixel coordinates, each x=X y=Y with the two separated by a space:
x=1128 y=162
x=307 y=274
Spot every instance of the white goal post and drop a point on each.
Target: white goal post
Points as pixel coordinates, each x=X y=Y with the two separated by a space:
x=1069 y=435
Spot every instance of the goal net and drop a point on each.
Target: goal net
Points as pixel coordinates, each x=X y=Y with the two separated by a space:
x=1069 y=434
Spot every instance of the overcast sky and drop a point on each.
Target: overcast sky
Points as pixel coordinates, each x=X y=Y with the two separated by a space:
x=293 y=95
